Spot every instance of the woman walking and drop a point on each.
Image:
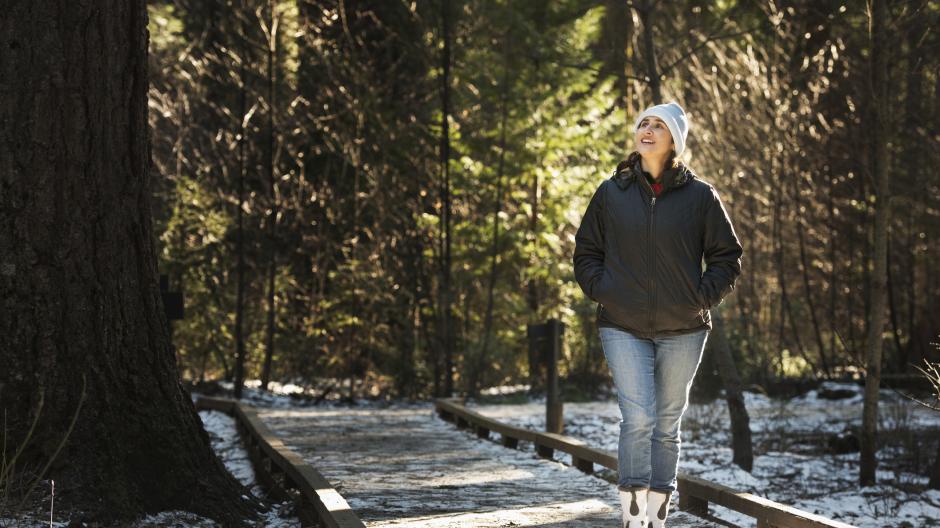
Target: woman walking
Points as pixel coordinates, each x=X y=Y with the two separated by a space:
x=639 y=254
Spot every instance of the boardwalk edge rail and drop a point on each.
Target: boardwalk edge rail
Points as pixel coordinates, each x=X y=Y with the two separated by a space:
x=279 y=469
x=694 y=493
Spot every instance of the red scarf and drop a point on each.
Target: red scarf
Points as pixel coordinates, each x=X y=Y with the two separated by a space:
x=657 y=188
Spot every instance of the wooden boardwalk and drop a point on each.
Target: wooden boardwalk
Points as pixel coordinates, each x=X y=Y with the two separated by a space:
x=407 y=467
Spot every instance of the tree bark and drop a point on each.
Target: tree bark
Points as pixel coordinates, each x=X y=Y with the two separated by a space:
x=272 y=183
x=645 y=11
x=916 y=116
x=879 y=100
x=240 y=238
x=901 y=364
x=615 y=41
x=833 y=276
x=446 y=315
x=79 y=300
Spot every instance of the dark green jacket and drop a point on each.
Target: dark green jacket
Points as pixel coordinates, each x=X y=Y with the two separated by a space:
x=640 y=257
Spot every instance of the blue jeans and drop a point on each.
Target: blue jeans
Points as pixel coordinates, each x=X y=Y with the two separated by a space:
x=653 y=378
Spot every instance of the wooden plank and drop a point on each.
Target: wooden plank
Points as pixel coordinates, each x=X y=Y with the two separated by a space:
x=398 y=467
x=694 y=493
x=451 y=407
x=225 y=405
x=764 y=510
x=333 y=510
x=316 y=492
x=548 y=441
x=544 y=452
x=689 y=502
x=461 y=412
x=584 y=465
x=577 y=449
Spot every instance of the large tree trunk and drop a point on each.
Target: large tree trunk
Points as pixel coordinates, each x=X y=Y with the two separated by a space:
x=79 y=301
x=879 y=101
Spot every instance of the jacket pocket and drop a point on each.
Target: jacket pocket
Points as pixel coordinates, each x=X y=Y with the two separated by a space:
x=622 y=301
x=700 y=297
x=601 y=287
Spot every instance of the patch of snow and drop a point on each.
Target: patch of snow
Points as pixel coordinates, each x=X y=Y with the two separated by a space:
x=228 y=446
x=30 y=520
x=291 y=395
x=505 y=389
x=790 y=465
x=175 y=519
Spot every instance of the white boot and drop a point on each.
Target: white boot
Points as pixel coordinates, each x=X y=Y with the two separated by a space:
x=633 y=501
x=657 y=508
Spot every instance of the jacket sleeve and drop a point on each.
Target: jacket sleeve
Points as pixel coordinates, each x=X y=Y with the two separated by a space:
x=589 y=245
x=722 y=253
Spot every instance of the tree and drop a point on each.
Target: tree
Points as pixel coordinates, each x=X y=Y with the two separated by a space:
x=878 y=90
x=741 y=444
x=80 y=313
x=446 y=238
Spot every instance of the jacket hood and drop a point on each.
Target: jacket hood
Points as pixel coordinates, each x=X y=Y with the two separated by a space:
x=671 y=177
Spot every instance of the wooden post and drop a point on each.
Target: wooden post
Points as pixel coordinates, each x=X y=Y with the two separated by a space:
x=583 y=464
x=554 y=421
x=690 y=503
x=536 y=334
x=543 y=451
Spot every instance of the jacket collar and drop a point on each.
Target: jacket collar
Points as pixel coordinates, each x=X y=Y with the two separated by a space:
x=672 y=177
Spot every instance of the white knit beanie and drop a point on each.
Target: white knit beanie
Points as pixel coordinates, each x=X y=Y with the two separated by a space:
x=674 y=116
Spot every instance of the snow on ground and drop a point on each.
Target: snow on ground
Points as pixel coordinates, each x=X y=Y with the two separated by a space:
x=227 y=445
x=294 y=395
x=791 y=464
x=403 y=466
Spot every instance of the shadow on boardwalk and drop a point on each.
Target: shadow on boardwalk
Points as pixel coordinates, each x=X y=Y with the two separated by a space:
x=406 y=467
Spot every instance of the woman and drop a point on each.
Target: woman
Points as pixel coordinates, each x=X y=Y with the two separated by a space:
x=639 y=254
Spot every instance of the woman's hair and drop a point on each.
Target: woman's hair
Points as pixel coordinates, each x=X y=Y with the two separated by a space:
x=634 y=158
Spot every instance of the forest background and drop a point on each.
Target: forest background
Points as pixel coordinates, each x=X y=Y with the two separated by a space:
x=385 y=193
x=374 y=199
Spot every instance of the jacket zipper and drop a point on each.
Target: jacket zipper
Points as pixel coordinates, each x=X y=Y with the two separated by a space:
x=652 y=255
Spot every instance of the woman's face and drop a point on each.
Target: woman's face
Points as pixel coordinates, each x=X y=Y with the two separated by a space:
x=653 y=138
